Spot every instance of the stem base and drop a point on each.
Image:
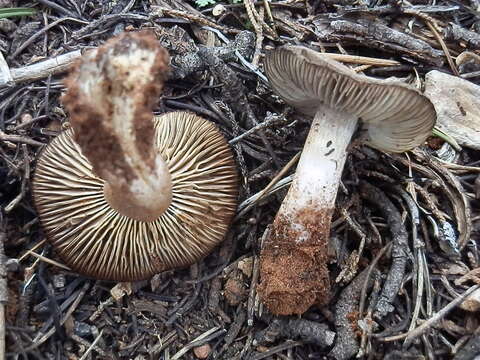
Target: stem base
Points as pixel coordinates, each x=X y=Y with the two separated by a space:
x=293 y=262
x=295 y=277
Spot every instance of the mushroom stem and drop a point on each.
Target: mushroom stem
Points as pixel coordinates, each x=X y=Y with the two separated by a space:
x=320 y=168
x=294 y=257
x=148 y=191
x=110 y=97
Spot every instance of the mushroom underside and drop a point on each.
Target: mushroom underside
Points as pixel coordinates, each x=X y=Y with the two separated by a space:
x=94 y=239
x=396 y=116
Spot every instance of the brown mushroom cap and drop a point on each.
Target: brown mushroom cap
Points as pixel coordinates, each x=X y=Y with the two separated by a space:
x=95 y=240
x=396 y=116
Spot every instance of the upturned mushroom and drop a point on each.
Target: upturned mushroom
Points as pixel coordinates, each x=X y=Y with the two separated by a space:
x=394 y=117
x=123 y=195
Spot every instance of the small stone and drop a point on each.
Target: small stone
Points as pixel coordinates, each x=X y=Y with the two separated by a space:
x=82 y=329
x=119 y=28
x=202 y=352
x=472 y=302
x=246 y=266
x=12 y=265
x=25 y=118
x=218 y=10
x=120 y=290
x=457 y=102
x=59 y=281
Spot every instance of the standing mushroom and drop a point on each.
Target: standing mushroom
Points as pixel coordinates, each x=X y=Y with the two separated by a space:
x=123 y=195
x=394 y=117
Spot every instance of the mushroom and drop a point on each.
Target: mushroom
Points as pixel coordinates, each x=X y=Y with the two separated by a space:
x=394 y=118
x=122 y=194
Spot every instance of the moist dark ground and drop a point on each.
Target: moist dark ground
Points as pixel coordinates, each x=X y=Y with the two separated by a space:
x=52 y=313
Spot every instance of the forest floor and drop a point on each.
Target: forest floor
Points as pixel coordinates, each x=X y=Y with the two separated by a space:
x=211 y=310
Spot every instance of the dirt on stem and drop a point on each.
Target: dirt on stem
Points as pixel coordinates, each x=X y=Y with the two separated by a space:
x=295 y=274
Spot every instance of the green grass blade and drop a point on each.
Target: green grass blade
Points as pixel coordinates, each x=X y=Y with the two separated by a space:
x=442 y=135
x=5 y=13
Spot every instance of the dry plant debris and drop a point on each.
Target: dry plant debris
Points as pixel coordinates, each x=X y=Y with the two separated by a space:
x=417 y=254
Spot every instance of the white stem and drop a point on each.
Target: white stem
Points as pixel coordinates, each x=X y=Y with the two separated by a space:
x=144 y=191
x=320 y=167
x=148 y=193
x=294 y=257
x=110 y=100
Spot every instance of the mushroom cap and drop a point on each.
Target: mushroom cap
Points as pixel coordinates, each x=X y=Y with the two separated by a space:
x=97 y=241
x=396 y=116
